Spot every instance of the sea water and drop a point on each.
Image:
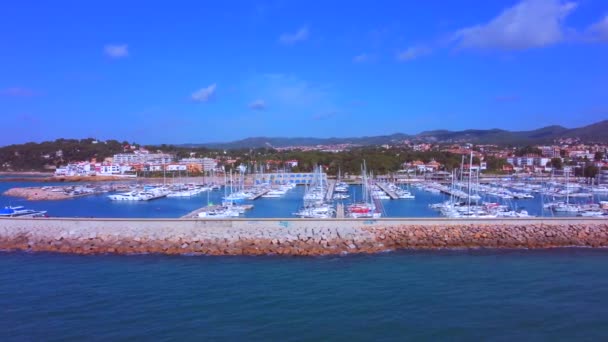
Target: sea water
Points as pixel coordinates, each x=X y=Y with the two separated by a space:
x=101 y=206
x=467 y=295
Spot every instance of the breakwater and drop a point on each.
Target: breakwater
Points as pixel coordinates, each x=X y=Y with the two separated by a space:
x=292 y=236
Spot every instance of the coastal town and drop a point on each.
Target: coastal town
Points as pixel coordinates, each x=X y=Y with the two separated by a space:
x=567 y=155
x=341 y=181
x=277 y=170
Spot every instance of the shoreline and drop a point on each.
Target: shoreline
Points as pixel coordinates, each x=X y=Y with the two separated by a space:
x=26 y=173
x=51 y=178
x=295 y=237
x=41 y=194
x=68 y=179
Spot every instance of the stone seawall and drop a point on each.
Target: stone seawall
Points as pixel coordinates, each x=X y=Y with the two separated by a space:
x=292 y=237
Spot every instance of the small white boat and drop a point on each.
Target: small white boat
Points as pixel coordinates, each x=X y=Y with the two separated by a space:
x=126 y=196
x=20 y=211
x=219 y=213
x=592 y=213
x=567 y=208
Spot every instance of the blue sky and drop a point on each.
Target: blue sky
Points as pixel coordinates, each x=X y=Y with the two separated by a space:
x=179 y=72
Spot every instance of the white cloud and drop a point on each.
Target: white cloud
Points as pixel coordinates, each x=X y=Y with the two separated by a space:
x=413 y=53
x=528 y=24
x=599 y=30
x=116 y=51
x=287 y=93
x=257 y=105
x=292 y=38
x=204 y=94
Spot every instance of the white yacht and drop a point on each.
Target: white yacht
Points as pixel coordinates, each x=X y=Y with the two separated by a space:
x=592 y=213
x=324 y=211
x=127 y=196
x=219 y=213
x=20 y=211
x=274 y=194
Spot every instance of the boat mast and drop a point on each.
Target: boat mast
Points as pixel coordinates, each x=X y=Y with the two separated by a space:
x=567 y=187
x=470 y=171
x=225 y=183
x=164 y=174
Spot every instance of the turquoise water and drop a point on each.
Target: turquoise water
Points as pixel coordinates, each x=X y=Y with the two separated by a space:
x=455 y=295
x=101 y=206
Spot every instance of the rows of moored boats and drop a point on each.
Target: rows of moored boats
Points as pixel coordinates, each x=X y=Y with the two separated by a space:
x=479 y=200
x=232 y=205
x=455 y=209
x=399 y=192
x=315 y=202
x=150 y=192
x=468 y=199
x=322 y=201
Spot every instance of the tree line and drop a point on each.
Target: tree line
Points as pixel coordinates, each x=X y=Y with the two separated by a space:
x=40 y=156
x=379 y=160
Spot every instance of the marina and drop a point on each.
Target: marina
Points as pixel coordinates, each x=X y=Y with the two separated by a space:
x=324 y=171
x=320 y=199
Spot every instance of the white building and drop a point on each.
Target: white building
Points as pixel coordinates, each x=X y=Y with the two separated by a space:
x=209 y=164
x=177 y=167
x=111 y=169
x=76 y=169
x=141 y=158
x=127 y=158
x=550 y=151
x=528 y=161
x=582 y=155
x=291 y=163
x=153 y=167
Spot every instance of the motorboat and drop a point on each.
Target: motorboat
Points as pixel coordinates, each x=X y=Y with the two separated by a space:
x=592 y=213
x=223 y=212
x=20 y=211
x=127 y=196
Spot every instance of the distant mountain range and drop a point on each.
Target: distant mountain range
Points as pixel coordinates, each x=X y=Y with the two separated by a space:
x=597 y=132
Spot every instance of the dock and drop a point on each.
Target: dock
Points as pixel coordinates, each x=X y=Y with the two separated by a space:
x=259 y=194
x=194 y=213
x=389 y=192
x=207 y=208
x=329 y=195
x=340 y=211
x=449 y=191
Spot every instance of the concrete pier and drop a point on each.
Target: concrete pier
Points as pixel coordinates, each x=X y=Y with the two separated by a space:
x=260 y=194
x=449 y=191
x=331 y=185
x=194 y=213
x=208 y=208
x=292 y=236
x=389 y=192
x=340 y=211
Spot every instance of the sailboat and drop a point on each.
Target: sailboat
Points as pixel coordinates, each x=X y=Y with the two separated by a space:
x=314 y=199
x=369 y=207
